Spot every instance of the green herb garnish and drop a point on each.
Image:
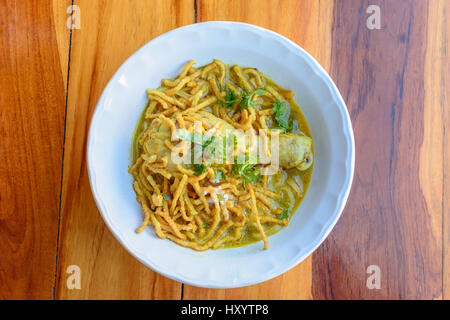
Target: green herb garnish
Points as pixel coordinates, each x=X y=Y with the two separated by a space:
x=166 y=197
x=249 y=172
x=282 y=116
x=197 y=138
x=199 y=169
x=284 y=214
x=208 y=142
x=230 y=99
x=185 y=135
x=247 y=98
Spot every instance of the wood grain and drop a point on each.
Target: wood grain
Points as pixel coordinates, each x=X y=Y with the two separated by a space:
x=60 y=16
x=32 y=99
x=396 y=85
x=303 y=22
x=110 y=31
x=435 y=156
x=389 y=220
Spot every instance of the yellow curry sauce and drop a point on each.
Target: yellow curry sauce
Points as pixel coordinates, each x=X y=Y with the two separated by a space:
x=280 y=183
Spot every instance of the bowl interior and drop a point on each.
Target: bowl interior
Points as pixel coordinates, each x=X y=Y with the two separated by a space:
x=122 y=103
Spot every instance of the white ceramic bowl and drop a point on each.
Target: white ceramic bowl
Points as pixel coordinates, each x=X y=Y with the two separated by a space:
x=286 y=63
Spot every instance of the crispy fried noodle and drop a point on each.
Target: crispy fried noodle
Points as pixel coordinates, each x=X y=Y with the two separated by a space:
x=221 y=195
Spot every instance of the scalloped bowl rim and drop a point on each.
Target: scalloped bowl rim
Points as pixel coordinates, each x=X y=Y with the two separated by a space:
x=346 y=131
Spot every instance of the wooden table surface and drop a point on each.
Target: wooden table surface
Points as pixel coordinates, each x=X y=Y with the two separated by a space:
x=395 y=81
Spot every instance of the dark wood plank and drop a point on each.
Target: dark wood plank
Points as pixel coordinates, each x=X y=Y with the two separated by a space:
x=387 y=221
x=32 y=100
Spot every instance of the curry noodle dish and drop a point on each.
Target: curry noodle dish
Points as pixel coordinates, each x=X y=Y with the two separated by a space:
x=221 y=157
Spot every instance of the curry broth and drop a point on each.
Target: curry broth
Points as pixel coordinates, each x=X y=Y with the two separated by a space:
x=276 y=182
x=250 y=234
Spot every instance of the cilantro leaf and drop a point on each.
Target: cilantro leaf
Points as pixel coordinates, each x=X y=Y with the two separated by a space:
x=208 y=142
x=166 y=197
x=188 y=136
x=259 y=91
x=284 y=214
x=282 y=116
x=247 y=98
x=249 y=172
x=230 y=99
x=210 y=152
x=199 y=169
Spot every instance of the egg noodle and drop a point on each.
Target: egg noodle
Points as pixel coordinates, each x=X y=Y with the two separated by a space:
x=212 y=204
